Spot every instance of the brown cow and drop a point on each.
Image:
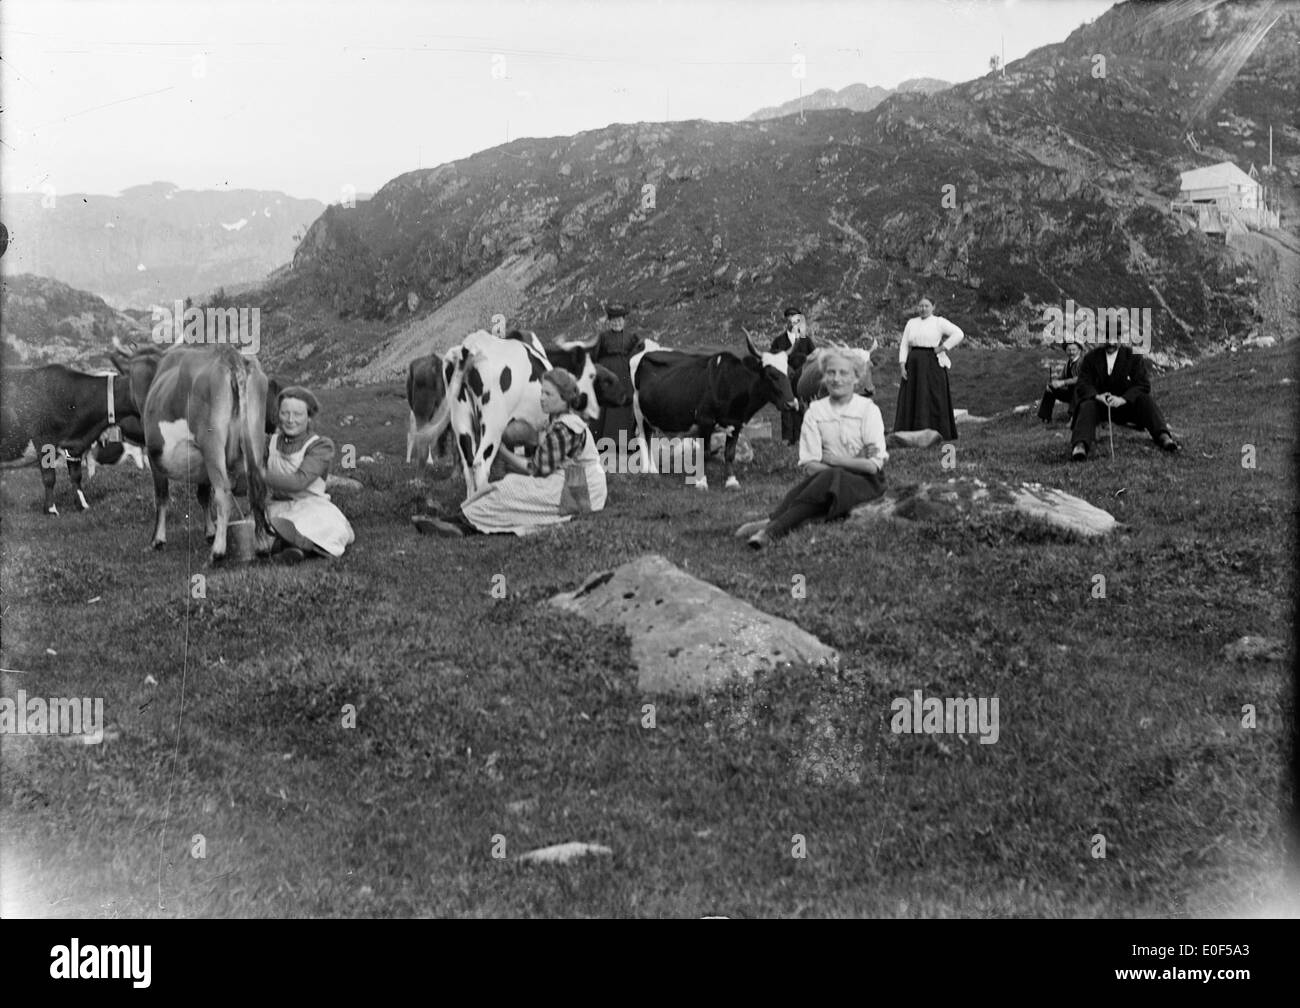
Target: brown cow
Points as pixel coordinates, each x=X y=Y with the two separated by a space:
x=205 y=407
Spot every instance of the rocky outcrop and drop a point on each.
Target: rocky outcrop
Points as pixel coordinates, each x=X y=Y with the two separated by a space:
x=688 y=636
x=43 y=321
x=999 y=197
x=964 y=498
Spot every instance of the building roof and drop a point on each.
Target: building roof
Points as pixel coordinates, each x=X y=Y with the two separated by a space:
x=1215 y=176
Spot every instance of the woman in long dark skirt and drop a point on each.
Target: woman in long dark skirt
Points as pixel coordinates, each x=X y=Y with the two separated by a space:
x=841 y=453
x=924 y=401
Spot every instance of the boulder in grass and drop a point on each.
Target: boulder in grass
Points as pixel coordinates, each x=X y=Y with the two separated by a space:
x=913 y=439
x=563 y=853
x=346 y=484
x=744 y=451
x=687 y=635
x=964 y=497
x=1255 y=649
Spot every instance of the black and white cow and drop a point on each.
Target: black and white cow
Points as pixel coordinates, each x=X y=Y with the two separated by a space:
x=491 y=381
x=55 y=409
x=694 y=393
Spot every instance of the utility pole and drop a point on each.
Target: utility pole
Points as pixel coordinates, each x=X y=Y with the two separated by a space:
x=1004 y=55
x=1270 y=147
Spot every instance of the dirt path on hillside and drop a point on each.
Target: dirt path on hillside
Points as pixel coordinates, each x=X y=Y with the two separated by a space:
x=501 y=291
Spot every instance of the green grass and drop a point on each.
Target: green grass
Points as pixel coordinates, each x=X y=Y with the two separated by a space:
x=479 y=717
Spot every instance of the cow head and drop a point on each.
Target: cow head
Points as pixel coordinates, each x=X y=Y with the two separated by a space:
x=610 y=389
x=603 y=387
x=139 y=364
x=775 y=370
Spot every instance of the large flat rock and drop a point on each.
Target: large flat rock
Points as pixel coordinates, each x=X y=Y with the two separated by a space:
x=958 y=498
x=688 y=636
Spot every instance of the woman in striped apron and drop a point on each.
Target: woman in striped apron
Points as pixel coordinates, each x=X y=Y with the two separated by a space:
x=297 y=463
x=564 y=478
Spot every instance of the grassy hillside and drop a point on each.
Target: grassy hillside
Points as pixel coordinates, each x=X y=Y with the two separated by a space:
x=479 y=717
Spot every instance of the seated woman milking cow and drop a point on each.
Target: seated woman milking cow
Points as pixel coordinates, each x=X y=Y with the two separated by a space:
x=841 y=453
x=298 y=461
x=563 y=478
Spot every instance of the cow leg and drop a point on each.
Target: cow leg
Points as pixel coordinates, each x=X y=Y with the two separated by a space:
x=649 y=461
x=159 y=498
x=204 y=493
x=74 y=476
x=47 y=480
x=222 y=500
x=702 y=429
x=729 y=458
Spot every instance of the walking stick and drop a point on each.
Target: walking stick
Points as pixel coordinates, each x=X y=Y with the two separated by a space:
x=1110 y=431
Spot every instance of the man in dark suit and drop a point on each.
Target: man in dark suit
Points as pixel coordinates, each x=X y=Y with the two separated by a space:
x=1114 y=376
x=1062 y=389
x=797 y=345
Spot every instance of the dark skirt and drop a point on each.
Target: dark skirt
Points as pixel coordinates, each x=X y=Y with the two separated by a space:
x=924 y=402
x=836 y=490
x=617 y=418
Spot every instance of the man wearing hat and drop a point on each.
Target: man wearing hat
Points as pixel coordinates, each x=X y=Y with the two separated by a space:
x=613 y=350
x=797 y=345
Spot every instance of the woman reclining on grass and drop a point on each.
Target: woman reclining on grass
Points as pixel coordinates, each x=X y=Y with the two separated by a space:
x=841 y=452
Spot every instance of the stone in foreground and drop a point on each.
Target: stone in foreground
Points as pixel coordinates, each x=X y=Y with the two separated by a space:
x=688 y=636
x=344 y=484
x=962 y=497
x=1252 y=648
x=913 y=439
x=563 y=853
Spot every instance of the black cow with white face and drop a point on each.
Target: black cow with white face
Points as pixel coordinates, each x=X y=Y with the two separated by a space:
x=675 y=392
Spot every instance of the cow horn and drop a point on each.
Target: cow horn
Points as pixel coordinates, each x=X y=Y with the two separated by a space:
x=749 y=342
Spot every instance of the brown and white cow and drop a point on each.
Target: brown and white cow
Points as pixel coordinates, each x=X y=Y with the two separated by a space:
x=205 y=410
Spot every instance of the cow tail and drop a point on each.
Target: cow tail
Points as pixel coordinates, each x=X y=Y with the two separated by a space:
x=252 y=417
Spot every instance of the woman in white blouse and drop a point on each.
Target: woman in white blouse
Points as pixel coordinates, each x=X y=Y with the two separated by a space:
x=841 y=453
x=924 y=402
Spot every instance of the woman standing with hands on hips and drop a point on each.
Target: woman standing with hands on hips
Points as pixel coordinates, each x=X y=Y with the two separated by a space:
x=924 y=401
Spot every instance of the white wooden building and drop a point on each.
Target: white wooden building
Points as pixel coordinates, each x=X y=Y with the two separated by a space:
x=1223 y=199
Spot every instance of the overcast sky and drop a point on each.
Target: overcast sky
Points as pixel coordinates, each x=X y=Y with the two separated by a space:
x=307 y=97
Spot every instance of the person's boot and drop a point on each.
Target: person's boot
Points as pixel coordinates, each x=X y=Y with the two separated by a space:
x=1079 y=453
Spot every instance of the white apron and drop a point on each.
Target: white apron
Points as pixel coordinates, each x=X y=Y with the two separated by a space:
x=523 y=504
x=309 y=520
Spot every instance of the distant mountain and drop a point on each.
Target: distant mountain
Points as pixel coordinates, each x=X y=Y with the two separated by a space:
x=43 y=321
x=855 y=97
x=998 y=197
x=154 y=243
